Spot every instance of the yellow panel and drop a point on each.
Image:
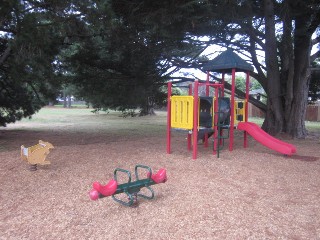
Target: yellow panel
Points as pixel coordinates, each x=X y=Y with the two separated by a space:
x=182 y=112
x=239 y=111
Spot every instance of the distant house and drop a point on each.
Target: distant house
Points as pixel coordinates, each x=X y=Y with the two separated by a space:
x=258 y=94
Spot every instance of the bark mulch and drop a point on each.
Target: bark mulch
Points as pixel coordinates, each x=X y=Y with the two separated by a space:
x=251 y=193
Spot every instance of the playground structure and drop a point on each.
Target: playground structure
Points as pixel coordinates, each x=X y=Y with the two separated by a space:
x=202 y=116
x=36 y=154
x=130 y=188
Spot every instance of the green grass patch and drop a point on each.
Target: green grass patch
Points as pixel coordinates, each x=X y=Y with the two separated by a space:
x=256 y=120
x=83 y=120
x=72 y=106
x=311 y=126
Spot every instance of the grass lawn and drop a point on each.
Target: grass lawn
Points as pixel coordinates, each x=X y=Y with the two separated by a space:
x=247 y=193
x=83 y=120
x=52 y=117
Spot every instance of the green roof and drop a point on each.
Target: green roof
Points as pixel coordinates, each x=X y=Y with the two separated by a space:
x=226 y=61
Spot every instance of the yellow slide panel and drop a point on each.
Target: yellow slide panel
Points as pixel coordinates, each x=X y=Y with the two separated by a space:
x=182 y=112
x=239 y=111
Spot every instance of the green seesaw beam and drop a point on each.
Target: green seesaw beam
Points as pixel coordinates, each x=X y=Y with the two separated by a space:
x=130 y=188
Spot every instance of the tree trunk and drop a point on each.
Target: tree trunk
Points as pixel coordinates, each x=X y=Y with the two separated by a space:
x=148 y=109
x=302 y=48
x=69 y=101
x=273 y=123
x=296 y=123
x=287 y=62
x=64 y=99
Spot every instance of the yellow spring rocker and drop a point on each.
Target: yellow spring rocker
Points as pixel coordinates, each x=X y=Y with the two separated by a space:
x=36 y=154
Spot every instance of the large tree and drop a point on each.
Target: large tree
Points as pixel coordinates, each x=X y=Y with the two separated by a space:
x=282 y=30
x=288 y=57
x=122 y=62
x=32 y=34
x=120 y=51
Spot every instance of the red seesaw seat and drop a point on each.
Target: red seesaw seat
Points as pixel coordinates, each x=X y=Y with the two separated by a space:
x=160 y=176
x=107 y=190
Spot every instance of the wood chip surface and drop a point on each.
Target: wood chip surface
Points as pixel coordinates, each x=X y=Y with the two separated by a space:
x=252 y=193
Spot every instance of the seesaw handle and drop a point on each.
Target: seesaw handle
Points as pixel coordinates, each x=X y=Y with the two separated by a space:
x=130 y=201
x=145 y=167
x=122 y=170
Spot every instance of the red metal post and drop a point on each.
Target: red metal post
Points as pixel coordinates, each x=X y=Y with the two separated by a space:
x=195 y=120
x=222 y=82
x=245 y=135
x=215 y=120
x=247 y=96
x=222 y=95
x=169 y=118
x=189 y=134
x=233 y=87
x=207 y=95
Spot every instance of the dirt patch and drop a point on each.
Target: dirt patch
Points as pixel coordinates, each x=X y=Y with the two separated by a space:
x=251 y=193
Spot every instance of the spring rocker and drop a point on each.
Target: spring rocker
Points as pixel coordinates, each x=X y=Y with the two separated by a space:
x=130 y=188
x=36 y=154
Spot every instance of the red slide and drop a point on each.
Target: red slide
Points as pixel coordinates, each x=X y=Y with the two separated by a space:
x=267 y=140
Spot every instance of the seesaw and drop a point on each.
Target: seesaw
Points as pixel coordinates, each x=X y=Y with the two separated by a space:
x=130 y=188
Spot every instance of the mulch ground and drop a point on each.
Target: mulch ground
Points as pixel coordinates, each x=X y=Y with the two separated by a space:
x=252 y=193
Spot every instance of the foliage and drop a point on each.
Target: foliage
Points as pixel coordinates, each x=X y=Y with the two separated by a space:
x=279 y=30
x=125 y=60
x=241 y=83
x=282 y=31
x=118 y=54
x=32 y=34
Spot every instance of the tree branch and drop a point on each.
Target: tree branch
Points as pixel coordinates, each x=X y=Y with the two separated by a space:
x=5 y=55
x=8 y=30
x=315 y=40
x=315 y=56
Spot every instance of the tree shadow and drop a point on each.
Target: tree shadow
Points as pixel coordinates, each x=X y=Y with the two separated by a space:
x=304 y=158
